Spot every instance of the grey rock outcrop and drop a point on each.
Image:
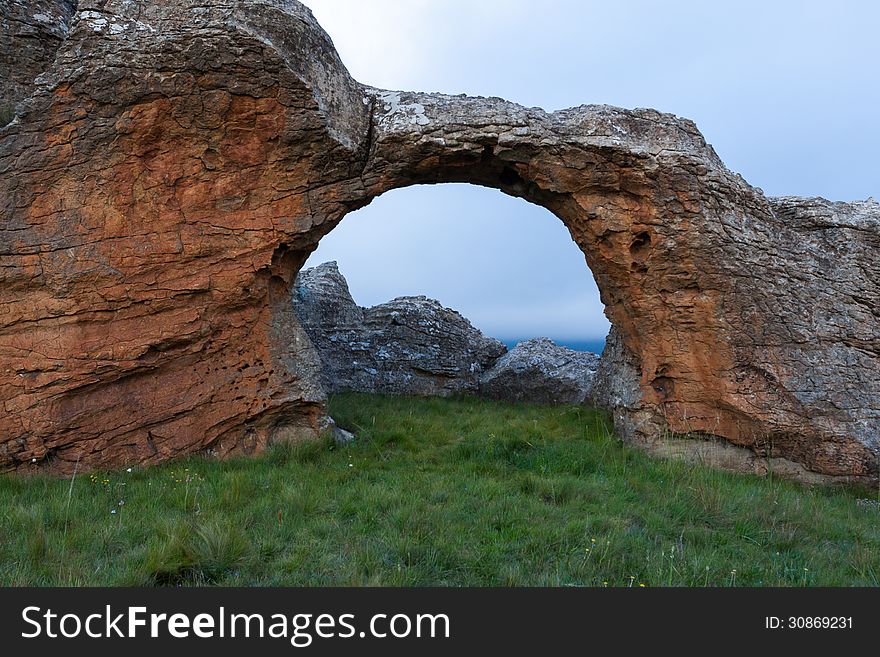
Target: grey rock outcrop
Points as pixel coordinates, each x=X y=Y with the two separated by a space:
x=540 y=371
x=413 y=345
x=410 y=345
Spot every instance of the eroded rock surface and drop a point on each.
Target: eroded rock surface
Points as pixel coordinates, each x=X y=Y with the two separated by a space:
x=175 y=166
x=31 y=31
x=409 y=345
x=540 y=371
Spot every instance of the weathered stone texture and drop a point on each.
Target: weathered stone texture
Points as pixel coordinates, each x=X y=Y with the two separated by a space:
x=179 y=161
x=541 y=372
x=409 y=345
x=30 y=33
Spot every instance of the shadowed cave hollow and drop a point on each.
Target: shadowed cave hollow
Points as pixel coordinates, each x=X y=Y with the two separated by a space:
x=508 y=269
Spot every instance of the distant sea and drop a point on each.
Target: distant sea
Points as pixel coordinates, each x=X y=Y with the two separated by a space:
x=595 y=346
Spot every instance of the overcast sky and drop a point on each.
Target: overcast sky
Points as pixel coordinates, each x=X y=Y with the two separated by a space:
x=788 y=93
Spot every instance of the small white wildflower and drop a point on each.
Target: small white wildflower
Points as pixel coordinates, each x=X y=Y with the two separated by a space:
x=128 y=470
x=112 y=511
x=33 y=460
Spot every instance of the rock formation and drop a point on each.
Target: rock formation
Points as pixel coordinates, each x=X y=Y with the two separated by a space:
x=170 y=172
x=541 y=372
x=410 y=345
x=415 y=346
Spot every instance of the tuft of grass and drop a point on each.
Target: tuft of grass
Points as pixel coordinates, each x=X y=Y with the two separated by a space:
x=437 y=492
x=195 y=553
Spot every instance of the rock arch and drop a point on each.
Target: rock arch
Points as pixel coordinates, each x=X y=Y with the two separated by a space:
x=174 y=167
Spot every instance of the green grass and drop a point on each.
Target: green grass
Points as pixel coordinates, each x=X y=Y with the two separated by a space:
x=445 y=492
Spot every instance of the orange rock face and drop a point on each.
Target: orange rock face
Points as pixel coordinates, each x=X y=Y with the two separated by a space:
x=174 y=168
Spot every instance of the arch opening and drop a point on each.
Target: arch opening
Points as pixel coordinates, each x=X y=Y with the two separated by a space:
x=506 y=264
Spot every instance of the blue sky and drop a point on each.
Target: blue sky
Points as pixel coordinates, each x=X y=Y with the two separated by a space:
x=786 y=92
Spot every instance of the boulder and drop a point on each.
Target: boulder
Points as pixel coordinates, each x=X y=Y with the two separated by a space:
x=424 y=348
x=540 y=371
x=409 y=346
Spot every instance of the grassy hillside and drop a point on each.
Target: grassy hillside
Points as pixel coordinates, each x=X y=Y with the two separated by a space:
x=460 y=492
